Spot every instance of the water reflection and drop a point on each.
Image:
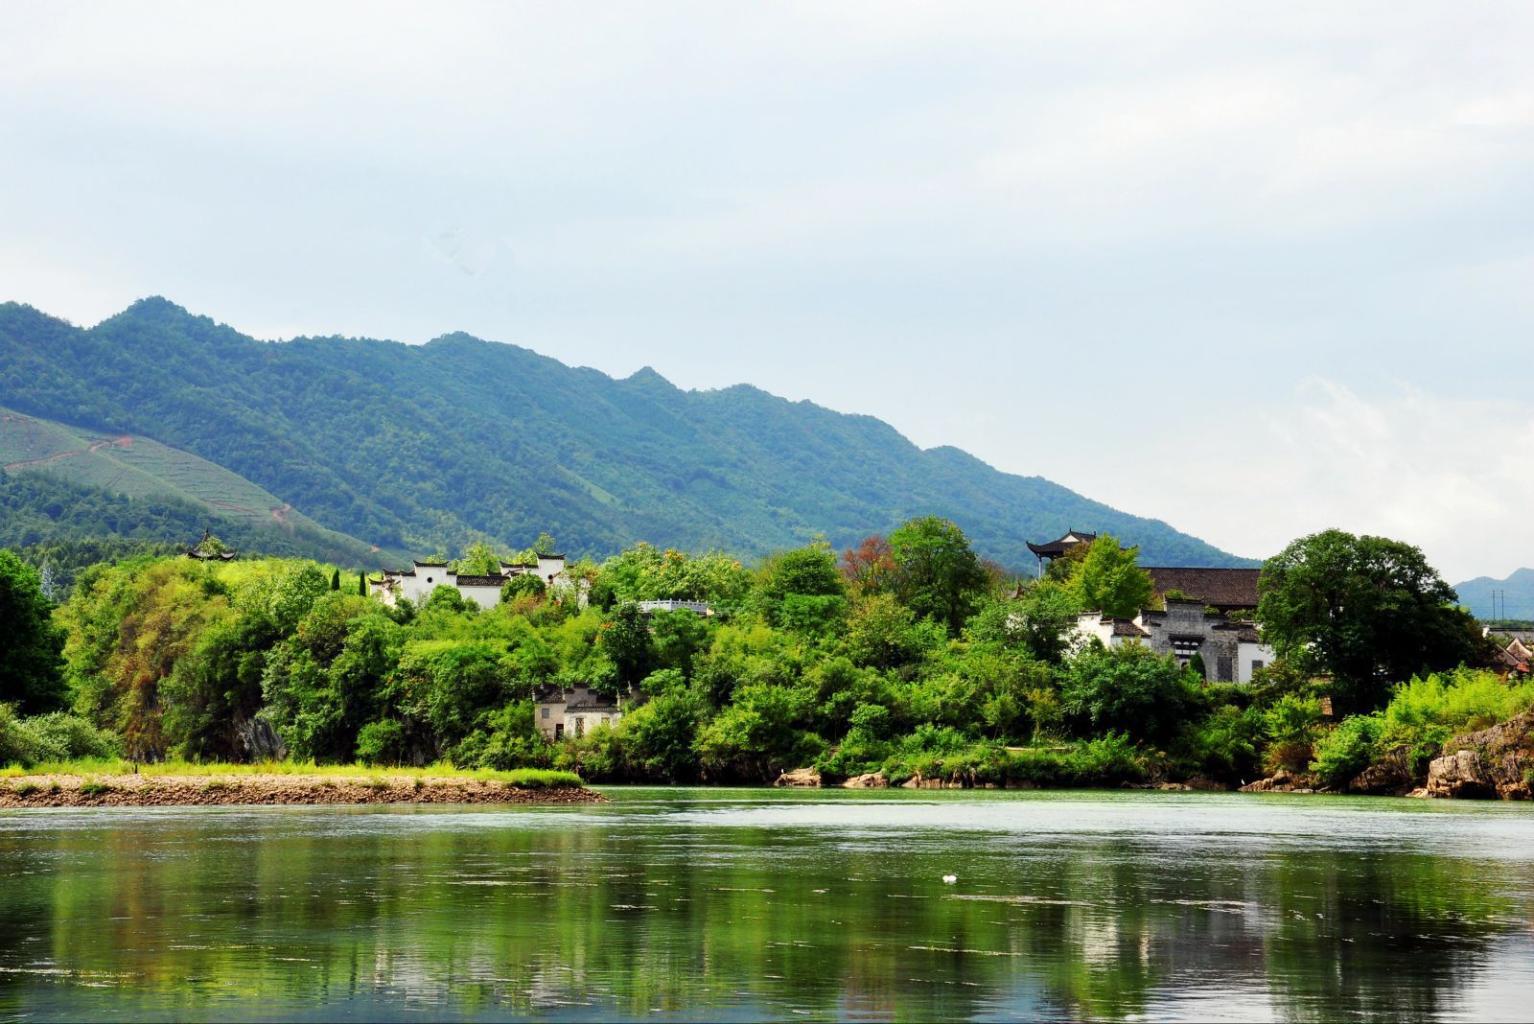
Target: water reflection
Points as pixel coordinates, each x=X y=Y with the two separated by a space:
x=708 y=905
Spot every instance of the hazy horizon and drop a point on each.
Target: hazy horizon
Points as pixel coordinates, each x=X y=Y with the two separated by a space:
x=1253 y=274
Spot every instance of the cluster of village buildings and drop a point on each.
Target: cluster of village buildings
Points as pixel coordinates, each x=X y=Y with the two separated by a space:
x=417 y=582
x=1205 y=621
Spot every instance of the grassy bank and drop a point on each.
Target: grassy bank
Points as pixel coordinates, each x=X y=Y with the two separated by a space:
x=90 y=768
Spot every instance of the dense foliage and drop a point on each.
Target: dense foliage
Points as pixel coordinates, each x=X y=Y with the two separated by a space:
x=905 y=657
x=409 y=447
x=1367 y=611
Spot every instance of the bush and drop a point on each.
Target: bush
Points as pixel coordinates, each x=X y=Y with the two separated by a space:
x=1105 y=761
x=55 y=736
x=1291 y=725
x=18 y=743
x=1128 y=689
x=1423 y=714
x=1347 y=750
x=381 y=743
x=1223 y=745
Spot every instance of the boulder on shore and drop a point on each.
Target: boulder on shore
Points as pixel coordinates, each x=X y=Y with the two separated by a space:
x=1283 y=781
x=802 y=778
x=1493 y=762
x=874 y=780
x=1389 y=776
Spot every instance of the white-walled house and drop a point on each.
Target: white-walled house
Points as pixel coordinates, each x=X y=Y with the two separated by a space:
x=559 y=713
x=1231 y=650
x=417 y=582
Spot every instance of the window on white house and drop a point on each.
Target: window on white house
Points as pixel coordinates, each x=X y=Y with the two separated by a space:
x=1258 y=664
x=545 y=712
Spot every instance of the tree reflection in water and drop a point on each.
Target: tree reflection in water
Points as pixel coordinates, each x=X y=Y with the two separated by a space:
x=702 y=904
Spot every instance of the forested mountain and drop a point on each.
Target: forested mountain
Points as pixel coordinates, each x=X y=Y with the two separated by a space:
x=419 y=447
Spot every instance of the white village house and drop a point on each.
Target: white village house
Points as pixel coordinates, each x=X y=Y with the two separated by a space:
x=1206 y=612
x=417 y=582
x=574 y=712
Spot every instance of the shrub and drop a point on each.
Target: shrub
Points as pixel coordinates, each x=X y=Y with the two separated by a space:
x=380 y=743
x=68 y=737
x=1347 y=750
x=1223 y=744
x=1291 y=725
x=94 y=787
x=18 y=743
x=1424 y=713
x=1128 y=689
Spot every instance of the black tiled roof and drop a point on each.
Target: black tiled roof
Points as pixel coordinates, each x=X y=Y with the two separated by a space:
x=1222 y=588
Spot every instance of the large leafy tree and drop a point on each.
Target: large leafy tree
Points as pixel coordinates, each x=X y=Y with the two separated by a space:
x=937 y=573
x=31 y=667
x=1108 y=578
x=1367 y=611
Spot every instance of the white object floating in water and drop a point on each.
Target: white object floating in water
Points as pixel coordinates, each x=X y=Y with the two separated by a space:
x=950 y=879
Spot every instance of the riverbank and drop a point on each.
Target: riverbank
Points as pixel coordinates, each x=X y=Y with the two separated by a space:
x=164 y=789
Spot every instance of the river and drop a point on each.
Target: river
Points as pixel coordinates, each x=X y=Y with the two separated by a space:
x=700 y=904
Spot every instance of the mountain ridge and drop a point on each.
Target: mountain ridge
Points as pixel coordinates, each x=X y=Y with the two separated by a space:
x=424 y=446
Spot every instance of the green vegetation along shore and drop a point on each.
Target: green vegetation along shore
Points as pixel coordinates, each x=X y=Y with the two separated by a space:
x=905 y=660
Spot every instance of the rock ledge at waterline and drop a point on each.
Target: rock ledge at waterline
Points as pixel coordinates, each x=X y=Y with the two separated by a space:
x=175 y=790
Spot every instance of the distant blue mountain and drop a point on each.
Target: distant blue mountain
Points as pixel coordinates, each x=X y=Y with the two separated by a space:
x=1514 y=596
x=421 y=447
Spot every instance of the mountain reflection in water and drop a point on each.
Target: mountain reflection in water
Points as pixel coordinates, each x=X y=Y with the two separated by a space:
x=720 y=904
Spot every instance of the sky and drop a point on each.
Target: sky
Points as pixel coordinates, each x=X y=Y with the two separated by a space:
x=1253 y=269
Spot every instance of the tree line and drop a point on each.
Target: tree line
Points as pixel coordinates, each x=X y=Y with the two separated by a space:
x=906 y=655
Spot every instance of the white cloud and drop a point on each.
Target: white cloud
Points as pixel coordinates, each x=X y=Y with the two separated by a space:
x=1107 y=242
x=1453 y=476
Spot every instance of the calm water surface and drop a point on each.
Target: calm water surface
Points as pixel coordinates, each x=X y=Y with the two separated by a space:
x=719 y=904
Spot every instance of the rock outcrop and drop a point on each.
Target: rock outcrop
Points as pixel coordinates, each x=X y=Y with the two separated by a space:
x=1494 y=762
x=1283 y=781
x=802 y=778
x=1390 y=776
x=875 y=780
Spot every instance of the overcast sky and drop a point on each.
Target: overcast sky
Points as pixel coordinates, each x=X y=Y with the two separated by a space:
x=1255 y=269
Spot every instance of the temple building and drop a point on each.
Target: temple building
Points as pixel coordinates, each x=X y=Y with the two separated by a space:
x=1230 y=650
x=1057 y=548
x=417 y=582
x=1203 y=616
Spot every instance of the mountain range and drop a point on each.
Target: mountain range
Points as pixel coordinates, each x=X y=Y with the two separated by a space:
x=371 y=450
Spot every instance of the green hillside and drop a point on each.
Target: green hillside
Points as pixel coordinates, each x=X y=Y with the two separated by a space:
x=422 y=447
x=69 y=525
x=83 y=484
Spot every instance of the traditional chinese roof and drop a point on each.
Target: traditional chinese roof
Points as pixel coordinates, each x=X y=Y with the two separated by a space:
x=1126 y=627
x=1221 y=588
x=429 y=565
x=480 y=581
x=1056 y=548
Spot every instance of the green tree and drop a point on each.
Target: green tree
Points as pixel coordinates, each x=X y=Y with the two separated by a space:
x=1128 y=688
x=1368 y=611
x=544 y=545
x=809 y=571
x=478 y=559
x=937 y=574
x=625 y=639
x=525 y=584
x=1108 y=578
x=335 y=580
x=31 y=667
x=658 y=737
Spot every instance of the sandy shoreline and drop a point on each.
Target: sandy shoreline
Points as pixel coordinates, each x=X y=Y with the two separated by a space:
x=193 y=790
